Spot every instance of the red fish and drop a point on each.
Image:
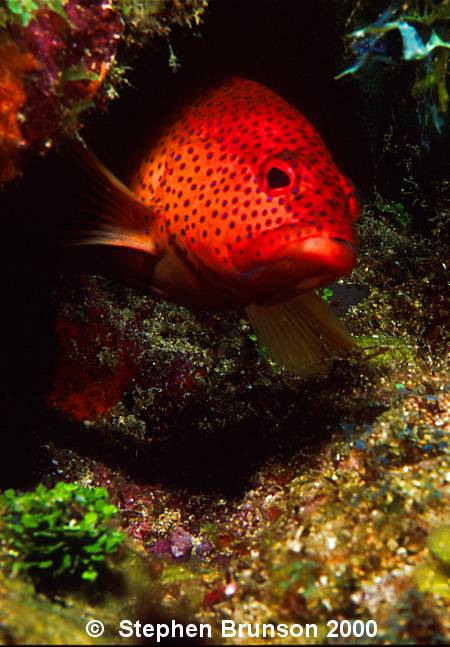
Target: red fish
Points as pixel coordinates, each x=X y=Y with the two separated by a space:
x=240 y=204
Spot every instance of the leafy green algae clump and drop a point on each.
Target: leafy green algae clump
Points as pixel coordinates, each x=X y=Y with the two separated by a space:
x=62 y=532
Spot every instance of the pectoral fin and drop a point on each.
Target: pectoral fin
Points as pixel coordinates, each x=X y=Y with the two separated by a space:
x=300 y=334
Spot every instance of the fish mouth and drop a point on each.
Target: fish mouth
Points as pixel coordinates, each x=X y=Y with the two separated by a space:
x=323 y=260
x=302 y=266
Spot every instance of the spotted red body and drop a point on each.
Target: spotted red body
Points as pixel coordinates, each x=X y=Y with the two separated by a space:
x=239 y=204
x=237 y=180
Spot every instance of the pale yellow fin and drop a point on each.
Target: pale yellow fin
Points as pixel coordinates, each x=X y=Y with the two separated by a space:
x=300 y=334
x=118 y=217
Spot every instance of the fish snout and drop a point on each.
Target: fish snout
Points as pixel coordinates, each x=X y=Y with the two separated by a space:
x=299 y=266
x=321 y=260
x=309 y=263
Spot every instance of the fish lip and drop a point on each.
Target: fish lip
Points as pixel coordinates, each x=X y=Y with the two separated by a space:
x=305 y=248
x=327 y=252
x=300 y=266
x=324 y=259
x=343 y=241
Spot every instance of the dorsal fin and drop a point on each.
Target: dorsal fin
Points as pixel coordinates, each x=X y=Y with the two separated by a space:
x=117 y=216
x=300 y=334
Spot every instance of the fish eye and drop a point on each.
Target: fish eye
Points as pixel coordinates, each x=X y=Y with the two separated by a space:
x=277 y=179
x=277 y=175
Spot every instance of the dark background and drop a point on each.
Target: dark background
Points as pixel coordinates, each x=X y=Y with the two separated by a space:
x=293 y=46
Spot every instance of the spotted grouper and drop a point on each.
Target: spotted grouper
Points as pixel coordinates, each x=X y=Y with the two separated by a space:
x=240 y=205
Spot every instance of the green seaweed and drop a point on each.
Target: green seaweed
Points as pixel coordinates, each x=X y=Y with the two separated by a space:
x=326 y=294
x=260 y=349
x=60 y=532
x=24 y=10
x=395 y=211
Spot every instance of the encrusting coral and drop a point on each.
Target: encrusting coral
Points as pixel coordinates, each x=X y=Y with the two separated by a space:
x=59 y=58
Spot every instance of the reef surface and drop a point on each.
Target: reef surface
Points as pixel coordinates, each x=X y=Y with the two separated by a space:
x=251 y=494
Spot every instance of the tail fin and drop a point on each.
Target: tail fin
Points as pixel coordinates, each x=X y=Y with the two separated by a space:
x=300 y=334
x=117 y=216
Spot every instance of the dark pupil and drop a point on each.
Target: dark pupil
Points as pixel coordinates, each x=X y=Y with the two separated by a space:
x=276 y=178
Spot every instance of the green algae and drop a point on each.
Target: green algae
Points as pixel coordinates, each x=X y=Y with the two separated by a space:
x=431 y=579
x=439 y=544
x=326 y=294
x=156 y=16
x=433 y=575
x=61 y=533
x=396 y=211
x=384 y=350
x=174 y=574
x=23 y=9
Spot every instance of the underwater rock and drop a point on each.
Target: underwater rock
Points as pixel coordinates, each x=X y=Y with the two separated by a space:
x=85 y=386
x=13 y=65
x=148 y=367
x=73 y=47
x=257 y=494
x=334 y=529
x=29 y=617
x=180 y=543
